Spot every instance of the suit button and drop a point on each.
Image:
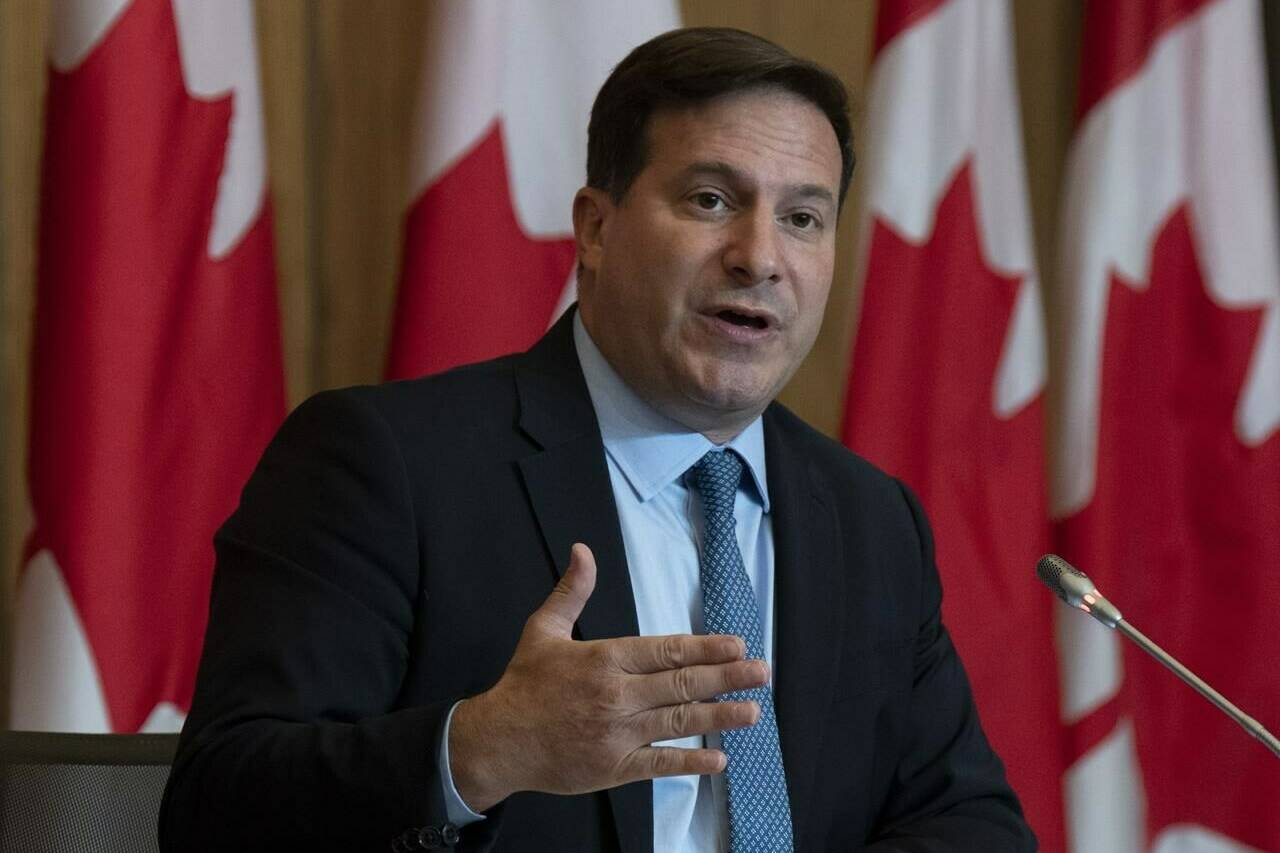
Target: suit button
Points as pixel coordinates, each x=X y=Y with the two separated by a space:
x=449 y=834
x=429 y=838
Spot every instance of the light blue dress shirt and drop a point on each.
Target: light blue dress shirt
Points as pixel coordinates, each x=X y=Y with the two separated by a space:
x=648 y=456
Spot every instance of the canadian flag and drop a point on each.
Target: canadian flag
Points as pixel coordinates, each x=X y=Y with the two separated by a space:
x=507 y=91
x=1166 y=481
x=157 y=373
x=948 y=368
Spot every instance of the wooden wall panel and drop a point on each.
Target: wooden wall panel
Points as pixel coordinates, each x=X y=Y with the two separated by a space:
x=1271 y=49
x=22 y=84
x=1047 y=47
x=365 y=73
x=285 y=48
x=1048 y=55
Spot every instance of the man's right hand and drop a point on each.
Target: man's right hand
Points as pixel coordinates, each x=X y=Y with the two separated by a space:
x=569 y=716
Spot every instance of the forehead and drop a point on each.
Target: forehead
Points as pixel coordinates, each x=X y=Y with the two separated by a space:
x=770 y=133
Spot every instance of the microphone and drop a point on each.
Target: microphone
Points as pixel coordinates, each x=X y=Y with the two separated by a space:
x=1074 y=587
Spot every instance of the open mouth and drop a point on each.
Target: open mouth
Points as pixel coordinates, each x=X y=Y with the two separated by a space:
x=743 y=320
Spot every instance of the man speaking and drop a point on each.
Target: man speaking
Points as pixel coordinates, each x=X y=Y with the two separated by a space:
x=606 y=594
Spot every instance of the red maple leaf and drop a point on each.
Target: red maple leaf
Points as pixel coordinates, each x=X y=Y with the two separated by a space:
x=475 y=285
x=1117 y=39
x=157 y=374
x=1183 y=532
x=894 y=17
x=920 y=404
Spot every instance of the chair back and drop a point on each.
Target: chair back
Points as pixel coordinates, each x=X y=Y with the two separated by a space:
x=62 y=791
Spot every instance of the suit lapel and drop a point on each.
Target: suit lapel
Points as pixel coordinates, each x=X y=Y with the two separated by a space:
x=809 y=598
x=572 y=499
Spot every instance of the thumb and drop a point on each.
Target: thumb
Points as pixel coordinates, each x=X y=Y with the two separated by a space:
x=563 y=606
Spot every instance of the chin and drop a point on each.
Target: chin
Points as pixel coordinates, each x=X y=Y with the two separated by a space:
x=712 y=387
x=731 y=400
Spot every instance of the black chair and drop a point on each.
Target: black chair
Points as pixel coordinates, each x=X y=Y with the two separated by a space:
x=64 y=792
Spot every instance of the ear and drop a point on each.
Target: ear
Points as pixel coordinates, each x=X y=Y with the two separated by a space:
x=592 y=211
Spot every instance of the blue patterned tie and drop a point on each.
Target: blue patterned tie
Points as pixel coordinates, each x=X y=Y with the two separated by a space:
x=759 y=811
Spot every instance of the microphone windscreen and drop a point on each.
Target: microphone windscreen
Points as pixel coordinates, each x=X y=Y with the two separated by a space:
x=1051 y=569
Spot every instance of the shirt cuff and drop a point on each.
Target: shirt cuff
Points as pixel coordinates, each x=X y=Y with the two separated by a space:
x=460 y=814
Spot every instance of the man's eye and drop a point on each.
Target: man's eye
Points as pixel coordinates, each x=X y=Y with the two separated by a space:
x=804 y=221
x=708 y=201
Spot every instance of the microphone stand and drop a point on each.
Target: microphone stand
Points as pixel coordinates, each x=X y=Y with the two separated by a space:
x=1249 y=724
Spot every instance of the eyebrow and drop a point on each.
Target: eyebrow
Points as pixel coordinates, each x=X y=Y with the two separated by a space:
x=732 y=173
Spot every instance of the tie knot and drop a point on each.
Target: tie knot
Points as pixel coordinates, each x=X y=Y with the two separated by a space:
x=717 y=475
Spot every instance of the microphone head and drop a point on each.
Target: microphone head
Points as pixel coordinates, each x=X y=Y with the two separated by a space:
x=1063 y=578
x=1074 y=587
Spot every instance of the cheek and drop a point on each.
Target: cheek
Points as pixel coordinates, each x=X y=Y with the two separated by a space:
x=811 y=297
x=639 y=270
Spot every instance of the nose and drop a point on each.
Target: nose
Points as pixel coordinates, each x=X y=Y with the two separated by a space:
x=753 y=253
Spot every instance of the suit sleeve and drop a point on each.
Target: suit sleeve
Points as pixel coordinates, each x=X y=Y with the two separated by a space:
x=949 y=792
x=293 y=740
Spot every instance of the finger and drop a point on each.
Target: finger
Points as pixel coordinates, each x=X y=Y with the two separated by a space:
x=656 y=654
x=694 y=718
x=695 y=683
x=564 y=605
x=651 y=762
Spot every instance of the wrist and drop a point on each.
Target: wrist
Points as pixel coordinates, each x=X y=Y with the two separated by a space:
x=474 y=760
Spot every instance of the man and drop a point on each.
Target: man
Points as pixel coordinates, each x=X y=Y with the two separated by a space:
x=394 y=659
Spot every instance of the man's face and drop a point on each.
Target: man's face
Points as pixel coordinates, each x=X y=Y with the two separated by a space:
x=705 y=287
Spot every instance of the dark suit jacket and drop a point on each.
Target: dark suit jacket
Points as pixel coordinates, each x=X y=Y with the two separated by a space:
x=391 y=544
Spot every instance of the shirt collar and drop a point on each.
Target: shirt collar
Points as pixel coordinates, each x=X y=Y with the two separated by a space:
x=649 y=448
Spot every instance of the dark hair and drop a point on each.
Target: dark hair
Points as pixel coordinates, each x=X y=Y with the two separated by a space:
x=688 y=67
